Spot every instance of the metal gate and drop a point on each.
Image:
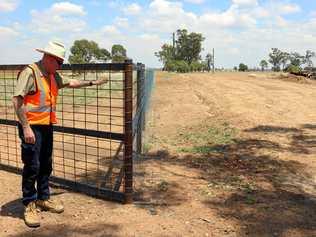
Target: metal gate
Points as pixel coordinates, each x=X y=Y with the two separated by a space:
x=98 y=128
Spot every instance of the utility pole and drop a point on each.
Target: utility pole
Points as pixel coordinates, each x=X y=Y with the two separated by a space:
x=213 y=61
x=173 y=45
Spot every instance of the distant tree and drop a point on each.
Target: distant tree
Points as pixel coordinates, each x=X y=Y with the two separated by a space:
x=118 y=53
x=170 y=66
x=276 y=57
x=293 y=68
x=235 y=68
x=296 y=59
x=263 y=64
x=308 y=58
x=209 y=60
x=166 y=55
x=243 y=67
x=84 y=51
x=285 y=57
x=196 y=66
x=178 y=66
x=182 y=66
x=188 y=47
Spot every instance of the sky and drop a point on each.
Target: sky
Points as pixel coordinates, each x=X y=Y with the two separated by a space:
x=240 y=31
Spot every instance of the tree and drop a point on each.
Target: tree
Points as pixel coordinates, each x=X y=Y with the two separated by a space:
x=182 y=66
x=165 y=55
x=296 y=59
x=188 y=46
x=293 y=69
x=285 y=57
x=170 y=66
x=263 y=64
x=243 y=67
x=196 y=66
x=308 y=58
x=118 y=53
x=84 y=51
x=276 y=57
x=209 y=60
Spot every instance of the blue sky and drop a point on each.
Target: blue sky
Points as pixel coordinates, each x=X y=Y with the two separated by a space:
x=239 y=30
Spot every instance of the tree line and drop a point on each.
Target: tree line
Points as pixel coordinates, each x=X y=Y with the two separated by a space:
x=281 y=60
x=85 y=51
x=184 y=54
x=284 y=61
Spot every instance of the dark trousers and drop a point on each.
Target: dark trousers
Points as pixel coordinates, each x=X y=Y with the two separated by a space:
x=37 y=160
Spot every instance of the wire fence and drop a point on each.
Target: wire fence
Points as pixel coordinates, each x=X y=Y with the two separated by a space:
x=99 y=131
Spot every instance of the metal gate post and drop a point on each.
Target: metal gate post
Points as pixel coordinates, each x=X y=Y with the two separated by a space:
x=128 y=131
x=140 y=107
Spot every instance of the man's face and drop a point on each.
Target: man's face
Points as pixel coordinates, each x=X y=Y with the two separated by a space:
x=53 y=64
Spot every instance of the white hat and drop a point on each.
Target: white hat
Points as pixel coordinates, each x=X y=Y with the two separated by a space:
x=54 y=48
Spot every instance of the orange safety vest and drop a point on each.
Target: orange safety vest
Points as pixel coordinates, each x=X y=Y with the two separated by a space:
x=41 y=106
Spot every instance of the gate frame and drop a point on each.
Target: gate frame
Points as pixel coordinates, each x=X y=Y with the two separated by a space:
x=127 y=137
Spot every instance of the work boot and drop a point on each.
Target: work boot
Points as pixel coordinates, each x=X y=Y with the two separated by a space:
x=31 y=215
x=50 y=205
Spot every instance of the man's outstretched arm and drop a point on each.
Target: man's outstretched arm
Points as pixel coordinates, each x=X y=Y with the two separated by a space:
x=79 y=84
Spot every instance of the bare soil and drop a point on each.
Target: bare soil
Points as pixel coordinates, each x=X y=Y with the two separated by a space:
x=260 y=183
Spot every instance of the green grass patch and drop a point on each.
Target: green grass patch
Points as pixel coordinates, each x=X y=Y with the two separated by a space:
x=205 y=138
x=147 y=147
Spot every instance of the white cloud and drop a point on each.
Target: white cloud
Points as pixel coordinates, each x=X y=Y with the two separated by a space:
x=7 y=32
x=309 y=26
x=60 y=17
x=121 y=22
x=166 y=16
x=288 y=8
x=234 y=51
x=165 y=8
x=195 y=1
x=132 y=9
x=149 y=37
x=110 y=30
x=245 y=3
x=313 y=14
x=8 y=5
x=230 y=18
x=281 y=22
x=261 y=12
x=67 y=8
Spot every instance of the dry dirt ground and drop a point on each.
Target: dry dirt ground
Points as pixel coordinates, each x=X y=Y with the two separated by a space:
x=227 y=154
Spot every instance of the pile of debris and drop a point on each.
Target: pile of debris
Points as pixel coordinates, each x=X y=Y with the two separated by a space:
x=309 y=72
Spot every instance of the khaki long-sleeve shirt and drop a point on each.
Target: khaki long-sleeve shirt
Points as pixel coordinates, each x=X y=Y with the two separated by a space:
x=26 y=81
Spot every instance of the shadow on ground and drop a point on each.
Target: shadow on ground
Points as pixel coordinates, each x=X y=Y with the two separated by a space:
x=15 y=208
x=266 y=195
x=96 y=229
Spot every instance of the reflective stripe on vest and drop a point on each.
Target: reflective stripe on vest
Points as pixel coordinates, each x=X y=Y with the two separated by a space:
x=41 y=106
x=44 y=108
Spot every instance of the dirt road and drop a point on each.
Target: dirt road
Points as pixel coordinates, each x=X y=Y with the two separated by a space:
x=257 y=178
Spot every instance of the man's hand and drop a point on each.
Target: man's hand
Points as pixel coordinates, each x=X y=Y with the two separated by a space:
x=29 y=136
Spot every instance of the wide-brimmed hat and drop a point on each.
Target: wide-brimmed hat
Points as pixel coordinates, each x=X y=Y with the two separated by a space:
x=54 y=48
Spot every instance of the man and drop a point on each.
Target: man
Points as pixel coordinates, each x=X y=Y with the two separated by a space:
x=34 y=101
